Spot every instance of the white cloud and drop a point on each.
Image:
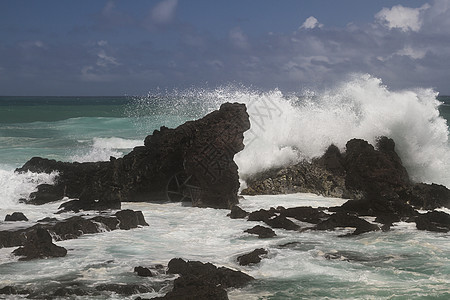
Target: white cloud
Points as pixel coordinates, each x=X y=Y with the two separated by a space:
x=403 y=18
x=311 y=23
x=238 y=38
x=105 y=60
x=411 y=52
x=164 y=11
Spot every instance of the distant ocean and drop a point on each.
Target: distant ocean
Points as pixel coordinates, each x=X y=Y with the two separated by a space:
x=401 y=264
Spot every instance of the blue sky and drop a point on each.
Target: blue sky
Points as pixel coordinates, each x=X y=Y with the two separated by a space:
x=134 y=47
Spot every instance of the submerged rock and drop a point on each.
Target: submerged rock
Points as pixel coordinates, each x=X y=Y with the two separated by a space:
x=193 y=162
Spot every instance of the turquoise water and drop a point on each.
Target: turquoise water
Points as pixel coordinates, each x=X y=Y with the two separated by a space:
x=401 y=264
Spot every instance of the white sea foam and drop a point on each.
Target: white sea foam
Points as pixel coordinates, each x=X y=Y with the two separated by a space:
x=103 y=148
x=14 y=186
x=286 y=128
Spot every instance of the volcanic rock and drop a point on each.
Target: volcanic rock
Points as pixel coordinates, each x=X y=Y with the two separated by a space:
x=190 y=287
x=16 y=216
x=433 y=221
x=222 y=276
x=130 y=219
x=192 y=162
x=39 y=245
x=345 y=220
x=282 y=222
x=261 y=231
x=253 y=257
x=262 y=215
x=237 y=213
x=74 y=227
x=143 y=271
x=304 y=214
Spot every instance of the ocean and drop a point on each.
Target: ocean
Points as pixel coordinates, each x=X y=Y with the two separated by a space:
x=403 y=263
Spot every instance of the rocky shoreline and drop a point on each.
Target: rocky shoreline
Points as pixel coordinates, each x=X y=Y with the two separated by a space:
x=194 y=162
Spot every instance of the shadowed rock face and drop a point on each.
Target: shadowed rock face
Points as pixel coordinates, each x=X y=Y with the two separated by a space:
x=193 y=162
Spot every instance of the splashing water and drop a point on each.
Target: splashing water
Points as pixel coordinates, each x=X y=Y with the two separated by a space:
x=288 y=128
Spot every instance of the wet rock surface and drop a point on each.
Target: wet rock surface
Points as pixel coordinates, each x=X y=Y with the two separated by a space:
x=219 y=276
x=343 y=219
x=39 y=245
x=74 y=227
x=253 y=257
x=237 y=213
x=193 y=162
x=437 y=221
x=261 y=231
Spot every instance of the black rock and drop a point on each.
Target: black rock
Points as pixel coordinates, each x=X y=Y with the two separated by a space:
x=437 y=221
x=261 y=231
x=130 y=219
x=237 y=213
x=142 y=271
x=282 y=222
x=192 y=162
x=305 y=214
x=346 y=220
x=253 y=257
x=190 y=287
x=16 y=216
x=39 y=245
x=222 y=276
x=74 y=227
x=261 y=215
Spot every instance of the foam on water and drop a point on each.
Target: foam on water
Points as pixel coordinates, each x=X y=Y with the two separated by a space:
x=14 y=186
x=375 y=264
x=101 y=149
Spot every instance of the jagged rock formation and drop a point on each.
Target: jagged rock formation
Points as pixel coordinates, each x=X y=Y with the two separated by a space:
x=193 y=162
x=203 y=280
x=362 y=172
x=39 y=244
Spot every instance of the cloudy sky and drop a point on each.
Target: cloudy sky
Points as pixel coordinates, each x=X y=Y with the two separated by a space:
x=53 y=47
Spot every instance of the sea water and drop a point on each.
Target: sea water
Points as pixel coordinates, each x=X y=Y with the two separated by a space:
x=401 y=264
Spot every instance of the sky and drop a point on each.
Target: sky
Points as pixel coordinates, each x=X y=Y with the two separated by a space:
x=69 y=48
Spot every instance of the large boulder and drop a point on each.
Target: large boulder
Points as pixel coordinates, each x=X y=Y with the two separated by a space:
x=193 y=162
